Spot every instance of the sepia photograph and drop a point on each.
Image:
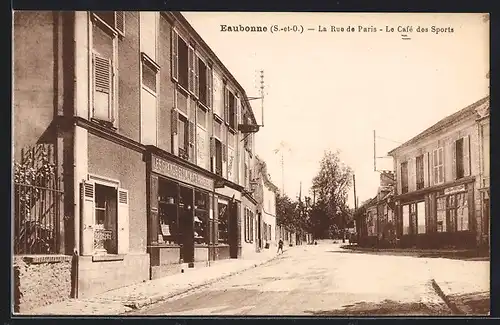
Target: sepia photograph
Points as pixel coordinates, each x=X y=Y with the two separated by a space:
x=171 y=163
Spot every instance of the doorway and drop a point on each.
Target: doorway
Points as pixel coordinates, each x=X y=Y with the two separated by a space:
x=233 y=229
x=186 y=216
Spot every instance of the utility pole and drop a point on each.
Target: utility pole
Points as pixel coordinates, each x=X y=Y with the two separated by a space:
x=262 y=95
x=281 y=150
x=374 y=154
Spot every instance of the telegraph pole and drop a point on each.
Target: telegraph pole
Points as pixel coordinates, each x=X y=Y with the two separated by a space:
x=374 y=154
x=355 y=200
x=262 y=95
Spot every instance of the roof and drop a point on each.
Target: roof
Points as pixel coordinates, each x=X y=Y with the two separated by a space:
x=449 y=120
x=178 y=16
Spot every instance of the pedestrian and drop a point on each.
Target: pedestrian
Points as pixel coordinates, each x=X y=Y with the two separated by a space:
x=280 y=246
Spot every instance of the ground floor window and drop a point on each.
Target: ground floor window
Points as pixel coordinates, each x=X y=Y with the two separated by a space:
x=168 y=201
x=223 y=223
x=201 y=217
x=421 y=225
x=106 y=213
x=406 y=219
x=453 y=213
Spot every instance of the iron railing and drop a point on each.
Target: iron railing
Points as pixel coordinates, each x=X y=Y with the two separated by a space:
x=36 y=219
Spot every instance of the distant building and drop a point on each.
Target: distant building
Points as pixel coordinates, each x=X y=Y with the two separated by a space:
x=442 y=189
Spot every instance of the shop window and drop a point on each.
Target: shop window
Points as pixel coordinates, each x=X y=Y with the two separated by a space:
x=406 y=219
x=404 y=177
x=420 y=171
x=201 y=218
x=167 y=211
x=223 y=223
x=421 y=227
x=453 y=213
x=458 y=212
x=441 y=214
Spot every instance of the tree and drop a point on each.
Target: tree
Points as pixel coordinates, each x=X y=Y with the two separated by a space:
x=286 y=214
x=331 y=185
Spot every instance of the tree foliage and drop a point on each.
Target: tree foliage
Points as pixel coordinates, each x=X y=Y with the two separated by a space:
x=331 y=186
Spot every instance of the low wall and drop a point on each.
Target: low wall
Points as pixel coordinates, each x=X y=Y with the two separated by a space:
x=41 y=280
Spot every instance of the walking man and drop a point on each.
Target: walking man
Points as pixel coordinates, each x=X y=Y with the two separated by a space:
x=280 y=246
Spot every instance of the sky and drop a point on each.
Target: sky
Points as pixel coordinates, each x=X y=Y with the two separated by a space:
x=331 y=90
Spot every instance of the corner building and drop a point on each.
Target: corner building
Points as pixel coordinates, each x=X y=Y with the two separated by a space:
x=146 y=124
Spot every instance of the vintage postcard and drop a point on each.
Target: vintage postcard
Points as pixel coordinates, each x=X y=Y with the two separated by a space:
x=236 y=163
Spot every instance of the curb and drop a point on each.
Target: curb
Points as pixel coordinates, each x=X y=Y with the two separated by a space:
x=154 y=299
x=453 y=307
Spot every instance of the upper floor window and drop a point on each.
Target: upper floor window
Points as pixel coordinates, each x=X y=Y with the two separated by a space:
x=204 y=86
x=149 y=101
x=461 y=158
x=232 y=110
x=438 y=165
x=404 y=177
x=104 y=63
x=419 y=171
x=113 y=19
x=180 y=60
x=183 y=136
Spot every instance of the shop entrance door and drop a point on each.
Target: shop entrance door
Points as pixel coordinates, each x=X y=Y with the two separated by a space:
x=186 y=216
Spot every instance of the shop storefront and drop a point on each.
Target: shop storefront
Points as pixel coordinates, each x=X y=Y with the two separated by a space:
x=439 y=217
x=187 y=221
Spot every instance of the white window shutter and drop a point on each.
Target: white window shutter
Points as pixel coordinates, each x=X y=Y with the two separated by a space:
x=102 y=82
x=467 y=165
x=426 y=169
x=123 y=221
x=226 y=105
x=87 y=196
x=175 y=56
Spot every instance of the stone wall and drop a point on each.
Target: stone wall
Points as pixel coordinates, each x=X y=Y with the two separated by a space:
x=40 y=281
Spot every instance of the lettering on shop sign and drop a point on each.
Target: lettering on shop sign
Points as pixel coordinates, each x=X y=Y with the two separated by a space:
x=180 y=173
x=454 y=189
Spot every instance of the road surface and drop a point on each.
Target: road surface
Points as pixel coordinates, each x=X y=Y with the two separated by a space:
x=320 y=280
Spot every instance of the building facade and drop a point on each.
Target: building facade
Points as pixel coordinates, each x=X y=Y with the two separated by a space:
x=439 y=176
x=377 y=227
x=266 y=209
x=152 y=141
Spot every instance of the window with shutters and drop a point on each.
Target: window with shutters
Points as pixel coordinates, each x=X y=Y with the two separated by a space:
x=106 y=213
x=149 y=101
x=461 y=158
x=114 y=20
x=183 y=136
x=249 y=225
x=404 y=177
x=204 y=80
x=419 y=166
x=231 y=110
x=183 y=62
x=438 y=166
x=103 y=75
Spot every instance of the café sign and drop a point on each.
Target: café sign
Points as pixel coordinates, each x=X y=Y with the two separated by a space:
x=181 y=173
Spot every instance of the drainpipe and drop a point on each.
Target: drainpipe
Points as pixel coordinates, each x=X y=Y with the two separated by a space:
x=76 y=185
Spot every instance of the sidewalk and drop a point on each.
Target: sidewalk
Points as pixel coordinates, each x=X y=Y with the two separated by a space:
x=465 y=254
x=465 y=289
x=123 y=300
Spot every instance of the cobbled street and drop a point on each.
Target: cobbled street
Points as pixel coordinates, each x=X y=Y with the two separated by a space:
x=326 y=280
